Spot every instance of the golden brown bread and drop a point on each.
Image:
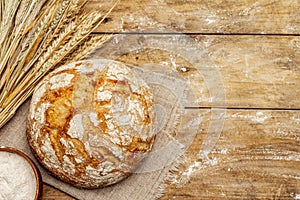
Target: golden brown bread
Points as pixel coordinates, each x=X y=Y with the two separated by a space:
x=91 y=122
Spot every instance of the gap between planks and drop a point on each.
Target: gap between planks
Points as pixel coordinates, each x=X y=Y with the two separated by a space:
x=241 y=108
x=198 y=33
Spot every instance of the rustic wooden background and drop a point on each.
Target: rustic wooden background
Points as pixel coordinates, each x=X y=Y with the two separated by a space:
x=255 y=45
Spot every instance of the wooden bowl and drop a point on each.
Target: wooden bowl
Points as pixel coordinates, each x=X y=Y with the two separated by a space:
x=37 y=174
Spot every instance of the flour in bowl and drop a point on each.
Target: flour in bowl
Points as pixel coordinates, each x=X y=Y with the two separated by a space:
x=17 y=178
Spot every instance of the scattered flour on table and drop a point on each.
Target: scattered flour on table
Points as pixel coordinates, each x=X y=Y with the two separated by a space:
x=259 y=117
x=196 y=166
x=17 y=179
x=295 y=196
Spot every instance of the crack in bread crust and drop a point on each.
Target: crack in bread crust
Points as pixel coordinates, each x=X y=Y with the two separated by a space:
x=91 y=123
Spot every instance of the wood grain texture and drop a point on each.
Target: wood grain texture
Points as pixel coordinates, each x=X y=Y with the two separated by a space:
x=257 y=152
x=50 y=193
x=256 y=156
x=255 y=71
x=194 y=16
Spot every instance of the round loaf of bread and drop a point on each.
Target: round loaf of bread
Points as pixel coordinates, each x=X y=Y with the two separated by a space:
x=91 y=122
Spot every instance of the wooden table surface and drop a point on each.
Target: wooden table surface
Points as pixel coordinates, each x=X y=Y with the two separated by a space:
x=255 y=47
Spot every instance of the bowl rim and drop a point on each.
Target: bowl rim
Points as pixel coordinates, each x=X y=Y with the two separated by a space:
x=37 y=173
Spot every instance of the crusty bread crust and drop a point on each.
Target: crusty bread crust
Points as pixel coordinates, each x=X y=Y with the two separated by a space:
x=91 y=122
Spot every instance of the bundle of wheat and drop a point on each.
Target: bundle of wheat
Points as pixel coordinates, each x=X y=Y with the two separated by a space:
x=37 y=36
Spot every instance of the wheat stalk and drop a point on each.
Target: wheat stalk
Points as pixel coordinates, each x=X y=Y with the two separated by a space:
x=86 y=48
x=36 y=36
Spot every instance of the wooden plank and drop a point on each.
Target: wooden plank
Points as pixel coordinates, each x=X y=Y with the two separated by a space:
x=253 y=71
x=193 y=16
x=256 y=156
x=50 y=193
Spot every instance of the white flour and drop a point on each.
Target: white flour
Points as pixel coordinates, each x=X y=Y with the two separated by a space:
x=17 y=179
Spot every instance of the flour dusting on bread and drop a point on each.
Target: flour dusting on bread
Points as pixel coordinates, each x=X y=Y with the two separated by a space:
x=91 y=122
